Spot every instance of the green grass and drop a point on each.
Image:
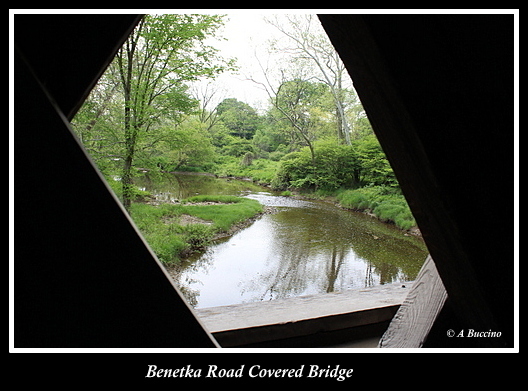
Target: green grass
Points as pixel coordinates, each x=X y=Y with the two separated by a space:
x=163 y=238
x=228 y=211
x=382 y=201
x=214 y=198
x=171 y=241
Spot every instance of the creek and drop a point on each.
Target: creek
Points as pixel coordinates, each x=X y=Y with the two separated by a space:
x=303 y=247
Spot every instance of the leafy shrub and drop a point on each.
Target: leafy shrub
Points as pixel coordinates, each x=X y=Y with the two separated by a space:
x=197 y=236
x=260 y=170
x=385 y=203
x=374 y=166
x=334 y=166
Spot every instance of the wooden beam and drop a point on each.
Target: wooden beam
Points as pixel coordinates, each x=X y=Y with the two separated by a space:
x=415 y=317
x=312 y=320
x=314 y=332
x=294 y=309
x=76 y=60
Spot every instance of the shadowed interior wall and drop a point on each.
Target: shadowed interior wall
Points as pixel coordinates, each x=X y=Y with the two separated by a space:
x=438 y=90
x=83 y=275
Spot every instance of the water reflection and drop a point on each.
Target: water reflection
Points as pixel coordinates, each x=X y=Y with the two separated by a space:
x=305 y=248
x=170 y=187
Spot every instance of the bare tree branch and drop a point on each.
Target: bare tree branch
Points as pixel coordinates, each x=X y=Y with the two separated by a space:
x=311 y=45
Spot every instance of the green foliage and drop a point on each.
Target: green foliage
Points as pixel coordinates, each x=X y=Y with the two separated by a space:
x=247 y=159
x=240 y=118
x=237 y=146
x=180 y=148
x=163 y=238
x=196 y=236
x=298 y=104
x=295 y=169
x=171 y=240
x=297 y=97
x=143 y=96
x=141 y=115
x=335 y=167
x=136 y=193
x=384 y=202
x=353 y=199
x=366 y=197
x=260 y=170
x=225 y=210
x=224 y=199
x=396 y=211
x=375 y=168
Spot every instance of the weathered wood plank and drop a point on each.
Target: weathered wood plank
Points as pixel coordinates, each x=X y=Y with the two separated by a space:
x=317 y=319
x=415 y=317
x=245 y=315
x=314 y=332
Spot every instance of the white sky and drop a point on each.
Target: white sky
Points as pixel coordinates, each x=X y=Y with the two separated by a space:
x=248 y=37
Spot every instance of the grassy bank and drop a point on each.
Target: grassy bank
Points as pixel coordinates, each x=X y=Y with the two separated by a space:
x=174 y=231
x=383 y=202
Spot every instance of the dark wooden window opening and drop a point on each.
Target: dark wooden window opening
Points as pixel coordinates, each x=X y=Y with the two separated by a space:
x=439 y=92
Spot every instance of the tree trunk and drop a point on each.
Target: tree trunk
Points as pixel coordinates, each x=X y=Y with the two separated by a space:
x=130 y=137
x=126 y=178
x=344 y=128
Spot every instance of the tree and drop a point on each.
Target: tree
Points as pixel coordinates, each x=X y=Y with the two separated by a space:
x=296 y=100
x=335 y=166
x=162 y=53
x=206 y=96
x=185 y=146
x=96 y=125
x=311 y=45
x=240 y=118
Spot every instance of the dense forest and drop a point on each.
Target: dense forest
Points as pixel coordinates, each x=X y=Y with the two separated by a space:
x=152 y=111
